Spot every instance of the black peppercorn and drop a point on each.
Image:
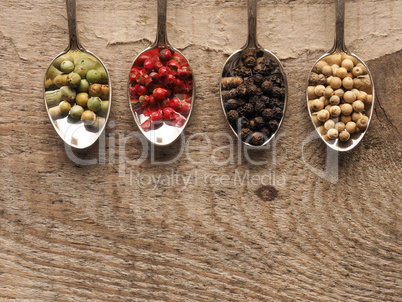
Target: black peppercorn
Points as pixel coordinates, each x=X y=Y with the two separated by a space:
x=232 y=115
x=259 y=122
x=277 y=91
x=264 y=99
x=243 y=122
x=273 y=125
x=265 y=131
x=251 y=89
x=241 y=90
x=231 y=104
x=266 y=87
x=245 y=133
x=248 y=109
x=258 y=79
x=225 y=94
x=232 y=93
x=242 y=71
x=257 y=139
x=250 y=61
x=259 y=107
x=267 y=114
x=277 y=112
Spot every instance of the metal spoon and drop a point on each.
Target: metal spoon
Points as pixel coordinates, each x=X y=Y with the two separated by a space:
x=73 y=131
x=276 y=70
x=153 y=121
x=338 y=53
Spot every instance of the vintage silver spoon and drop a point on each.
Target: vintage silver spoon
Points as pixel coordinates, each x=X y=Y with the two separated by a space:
x=59 y=87
x=362 y=87
x=276 y=70
x=161 y=78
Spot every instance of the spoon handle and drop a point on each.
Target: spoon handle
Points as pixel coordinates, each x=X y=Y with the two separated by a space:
x=339 y=44
x=72 y=25
x=252 y=24
x=161 y=35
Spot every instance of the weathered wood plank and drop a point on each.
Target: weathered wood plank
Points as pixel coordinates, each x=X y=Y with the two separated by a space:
x=125 y=222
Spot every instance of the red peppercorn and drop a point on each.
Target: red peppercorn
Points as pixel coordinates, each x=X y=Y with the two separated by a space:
x=163 y=71
x=175 y=103
x=148 y=65
x=169 y=113
x=154 y=75
x=188 y=98
x=184 y=108
x=146 y=125
x=133 y=91
x=141 y=90
x=158 y=64
x=159 y=94
x=169 y=81
x=179 y=120
x=172 y=65
x=156 y=115
x=165 y=55
x=183 y=72
x=152 y=100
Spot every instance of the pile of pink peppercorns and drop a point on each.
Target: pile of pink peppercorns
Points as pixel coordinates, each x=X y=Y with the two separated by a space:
x=161 y=87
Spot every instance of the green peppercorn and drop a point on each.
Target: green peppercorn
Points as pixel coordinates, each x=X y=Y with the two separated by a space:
x=94 y=104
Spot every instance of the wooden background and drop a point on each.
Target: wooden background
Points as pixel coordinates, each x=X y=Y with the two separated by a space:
x=204 y=219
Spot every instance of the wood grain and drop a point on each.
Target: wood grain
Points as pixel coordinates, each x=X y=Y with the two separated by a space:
x=205 y=219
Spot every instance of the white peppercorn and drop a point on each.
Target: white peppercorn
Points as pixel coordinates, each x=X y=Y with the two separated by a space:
x=321 y=129
x=317 y=105
x=362 y=123
x=344 y=136
x=335 y=82
x=347 y=83
x=323 y=115
x=329 y=124
x=319 y=90
x=349 y=97
x=334 y=68
x=357 y=71
x=356 y=116
x=339 y=92
x=345 y=119
x=334 y=100
x=326 y=70
x=329 y=80
x=346 y=109
x=311 y=93
x=324 y=100
x=358 y=106
x=335 y=111
x=362 y=96
x=332 y=133
x=347 y=64
x=319 y=66
x=342 y=72
x=351 y=127
x=315 y=120
x=328 y=92
x=355 y=91
x=339 y=126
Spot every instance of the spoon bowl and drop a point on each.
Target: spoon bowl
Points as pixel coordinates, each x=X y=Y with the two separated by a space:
x=349 y=87
x=161 y=88
x=71 y=74
x=253 y=89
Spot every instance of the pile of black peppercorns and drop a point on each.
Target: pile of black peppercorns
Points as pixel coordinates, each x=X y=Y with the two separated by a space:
x=253 y=96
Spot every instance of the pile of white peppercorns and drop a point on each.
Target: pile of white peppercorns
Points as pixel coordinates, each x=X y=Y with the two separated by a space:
x=340 y=96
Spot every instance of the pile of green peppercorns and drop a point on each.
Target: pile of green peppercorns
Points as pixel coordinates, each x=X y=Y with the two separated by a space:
x=77 y=87
x=253 y=97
